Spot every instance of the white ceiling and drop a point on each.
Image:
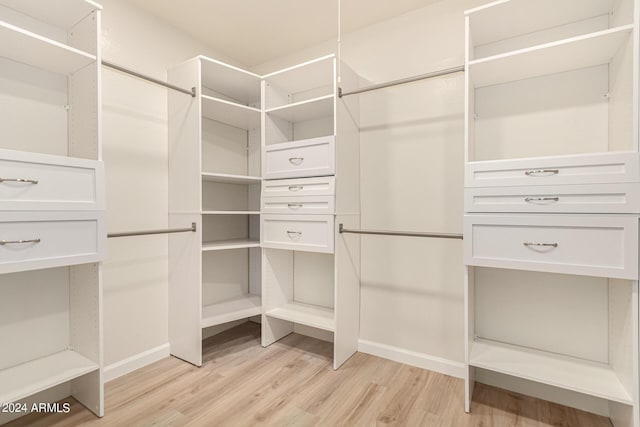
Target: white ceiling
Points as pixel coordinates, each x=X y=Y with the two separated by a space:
x=256 y=31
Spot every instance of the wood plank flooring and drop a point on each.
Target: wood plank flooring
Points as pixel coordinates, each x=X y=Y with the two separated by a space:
x=292 y=383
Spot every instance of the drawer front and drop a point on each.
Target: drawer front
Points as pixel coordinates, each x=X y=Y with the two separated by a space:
x=307 y=205
x=604 y=168
x=32 y=240
x=307 y=158
x=595 y=198
x=321 y=186
x=41 y=182
x=604 y=246
x=310 y=233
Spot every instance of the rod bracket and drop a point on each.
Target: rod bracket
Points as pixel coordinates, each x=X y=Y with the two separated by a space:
x=193 y=92
x=340 y=228
x=339 y=96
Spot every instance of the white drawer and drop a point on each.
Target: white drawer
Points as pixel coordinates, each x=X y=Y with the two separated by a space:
x=589 y=245
x=318 y=205
x=321 y=186
x=310 y=233
x=61 y=239
x=603 y=168
x=593 y=198
x=305 y=158
x=30 y=181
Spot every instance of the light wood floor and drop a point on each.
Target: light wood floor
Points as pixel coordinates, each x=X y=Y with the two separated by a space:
x=291 y=383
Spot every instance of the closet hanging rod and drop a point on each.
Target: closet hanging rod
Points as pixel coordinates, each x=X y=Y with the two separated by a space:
x=191 y=92
x=406 y=80
x=341 y=229
x=148 y=232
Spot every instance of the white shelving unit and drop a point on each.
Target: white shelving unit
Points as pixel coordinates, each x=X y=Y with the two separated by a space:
x=51 y=287
x=214 y=181
x=551 y=137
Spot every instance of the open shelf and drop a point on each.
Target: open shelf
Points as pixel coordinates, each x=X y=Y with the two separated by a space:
x=33 y=377
x=234 y=309
x=230 y=179
x=230 y=212
x=303 y=77
x=65 y=14
x=506 y=19
x=230 y=113
x=305 y=110
x=233 y=82
x=305 y=314
x=557 y=57
x=29 y=48
x=230 y=244
x=578 y=375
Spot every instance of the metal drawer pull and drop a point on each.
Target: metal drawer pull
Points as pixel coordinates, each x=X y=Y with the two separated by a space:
x=294 y=234
x=295 y=187
x=28 y=181
x=542 y=199
x=542 y=171
x=296 y=160
x=294 y=205
x=10 y=242
x=552 y=245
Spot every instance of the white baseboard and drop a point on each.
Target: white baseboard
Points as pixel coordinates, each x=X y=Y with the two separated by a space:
x=136 y=361
x=420 y=360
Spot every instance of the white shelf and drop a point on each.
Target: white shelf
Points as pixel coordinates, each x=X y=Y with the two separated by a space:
x=303 y=77
x=557 y=57
x=578 y=375
x=230 y=212
x=231 y=113
x=305 y=314
x=32 y=377
x=238 y=84
x=230 y=244
x=506 y=19
x=230 y=179
x=302 y=111
x=29 y=48
x=235 y=309
x=61 y=13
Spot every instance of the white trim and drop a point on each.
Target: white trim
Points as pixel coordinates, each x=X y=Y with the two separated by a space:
x=420 y=360
x=137 y=361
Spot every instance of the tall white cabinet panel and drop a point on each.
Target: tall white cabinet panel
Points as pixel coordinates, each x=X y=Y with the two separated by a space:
x=551 y=198
x=52 y=233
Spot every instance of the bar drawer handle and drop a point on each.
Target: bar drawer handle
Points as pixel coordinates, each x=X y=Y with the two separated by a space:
x=296 y=160
x=294 y=205
x=27 y=181
x=542 y=199
x=11 y=242
x=548 y=245
x=542 y=171
x=294 y=234
x=295 y=187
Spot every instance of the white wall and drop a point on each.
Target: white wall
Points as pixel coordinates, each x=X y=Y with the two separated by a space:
x=135 y=153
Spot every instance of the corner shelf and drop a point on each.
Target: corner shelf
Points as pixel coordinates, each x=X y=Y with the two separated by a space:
x=33 y=49
x=235 y=83
x=305 y=314
x=38 y=375
x=230 y=212
x=557 y=57
x=303 y=111
x=238 y=308
x=230 y=113
x=594 y=379
x=230 y=244
x=230 y=179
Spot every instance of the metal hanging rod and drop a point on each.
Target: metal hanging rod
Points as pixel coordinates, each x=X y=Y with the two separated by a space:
x=191 y=92
x=341 y=229
x=402 y=81
x=148 y=232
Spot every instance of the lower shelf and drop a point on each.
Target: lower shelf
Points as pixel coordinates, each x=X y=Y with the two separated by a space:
x=234 y=309
x=595 y=379
x=38 y=375
x=305 y=314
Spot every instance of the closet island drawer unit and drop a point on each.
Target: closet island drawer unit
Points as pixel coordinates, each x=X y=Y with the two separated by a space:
x=595 y=198
x=602 y=168
x=318 y=205
x=297 y=159
x=320 y=186
x=593 y=245
x=310 y=233
x=34 y=240
x=31 y=181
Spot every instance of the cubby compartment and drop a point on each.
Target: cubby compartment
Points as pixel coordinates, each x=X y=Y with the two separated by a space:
x=230 y=197
x=229 y=231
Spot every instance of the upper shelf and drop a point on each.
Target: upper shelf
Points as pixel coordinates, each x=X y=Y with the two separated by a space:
x=305 y=110
x=29 y=48
x=230 y=179
x=232 y=82
x=230 y=113
x=557 y=57
x=60 y=13
x=304 y=77
x=505 y=19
